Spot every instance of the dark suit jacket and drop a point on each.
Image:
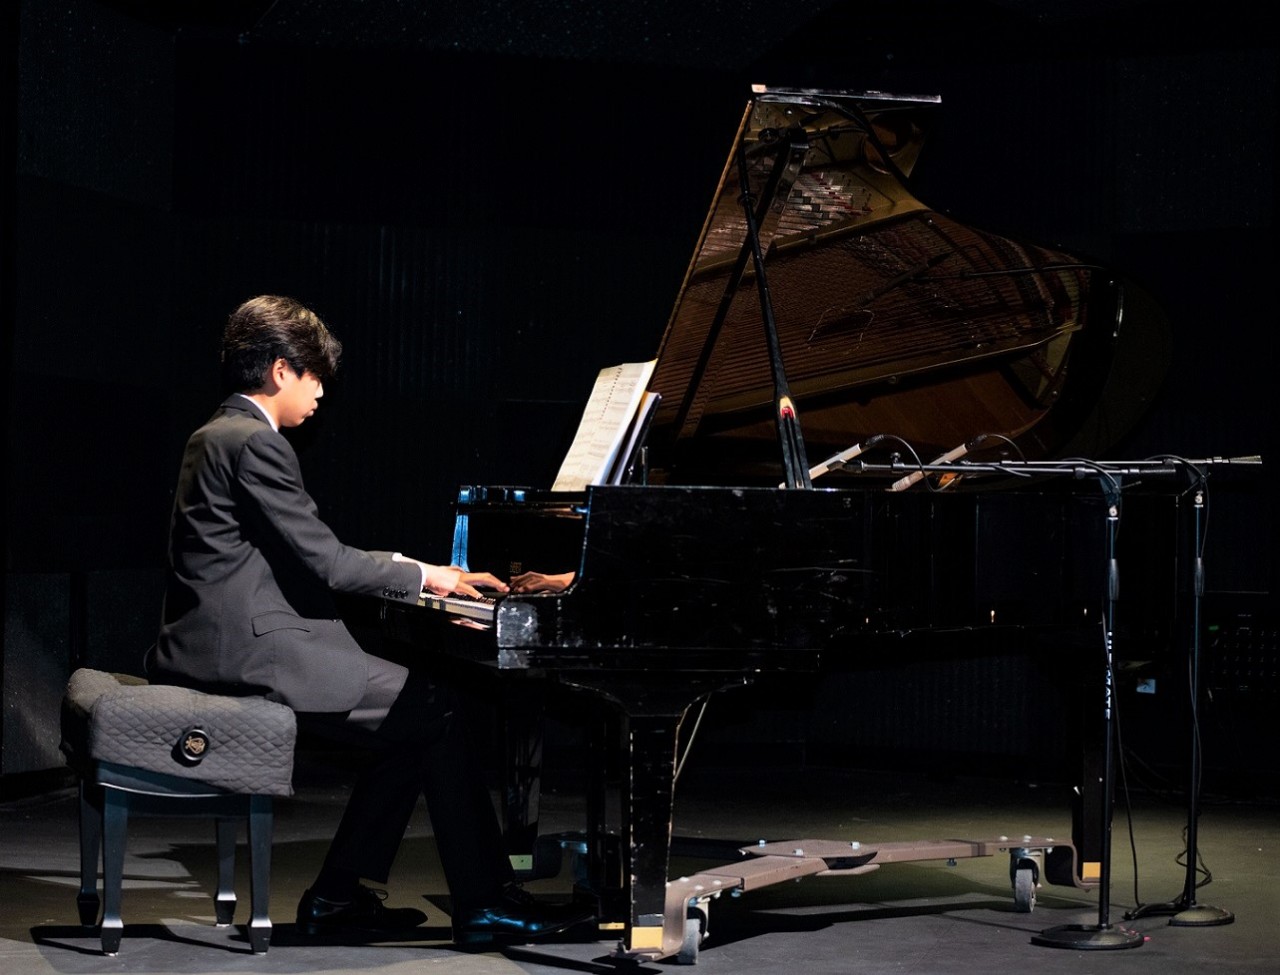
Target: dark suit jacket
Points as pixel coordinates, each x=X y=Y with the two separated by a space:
x=248 y=604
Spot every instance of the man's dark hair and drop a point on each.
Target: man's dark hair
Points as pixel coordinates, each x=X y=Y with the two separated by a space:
x=271 y=327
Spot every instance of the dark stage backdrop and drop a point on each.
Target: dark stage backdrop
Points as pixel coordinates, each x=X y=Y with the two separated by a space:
x=486 y=215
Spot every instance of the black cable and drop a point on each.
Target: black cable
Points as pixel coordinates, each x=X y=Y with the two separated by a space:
x=981 y=438
x=1198 y=484
x=924 y=475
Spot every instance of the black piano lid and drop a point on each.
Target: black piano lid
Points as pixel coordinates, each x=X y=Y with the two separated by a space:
x=892 y=318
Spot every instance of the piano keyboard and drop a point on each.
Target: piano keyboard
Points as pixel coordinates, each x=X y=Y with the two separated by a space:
x=481 y=610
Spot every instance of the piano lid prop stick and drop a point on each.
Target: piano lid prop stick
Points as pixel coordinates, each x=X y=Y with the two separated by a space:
x=955 y=453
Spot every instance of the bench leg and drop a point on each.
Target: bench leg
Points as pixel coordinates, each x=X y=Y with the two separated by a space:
x=260 y=823
x=115 y=827
x=225 y=901
x=87 y=902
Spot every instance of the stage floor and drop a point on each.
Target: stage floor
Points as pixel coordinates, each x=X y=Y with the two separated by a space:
x=925 y=918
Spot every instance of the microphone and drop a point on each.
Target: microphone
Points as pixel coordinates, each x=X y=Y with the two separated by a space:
x=955 y=453
x=1252 y=460
x=837 y=461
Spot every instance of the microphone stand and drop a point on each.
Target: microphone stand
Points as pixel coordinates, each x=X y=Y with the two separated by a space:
x=1103 y=935
x=1186 y=912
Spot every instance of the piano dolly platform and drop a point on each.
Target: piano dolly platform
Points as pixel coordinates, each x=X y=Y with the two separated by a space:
x=688 y=899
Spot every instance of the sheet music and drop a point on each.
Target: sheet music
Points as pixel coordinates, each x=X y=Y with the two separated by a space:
x=608 y=418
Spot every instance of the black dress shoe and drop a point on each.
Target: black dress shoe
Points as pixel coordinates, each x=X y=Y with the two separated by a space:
x=514 y=916
x=363 y=912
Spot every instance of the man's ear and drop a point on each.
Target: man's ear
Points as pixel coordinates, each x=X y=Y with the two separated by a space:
x=275 y=377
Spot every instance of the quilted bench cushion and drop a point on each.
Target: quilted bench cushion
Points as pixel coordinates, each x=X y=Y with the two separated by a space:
x=247 y=743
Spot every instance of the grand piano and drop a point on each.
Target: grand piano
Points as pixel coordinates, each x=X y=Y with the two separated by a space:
x=833 y=337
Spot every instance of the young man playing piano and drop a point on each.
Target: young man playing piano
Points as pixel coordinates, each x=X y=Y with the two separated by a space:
x=249 y=609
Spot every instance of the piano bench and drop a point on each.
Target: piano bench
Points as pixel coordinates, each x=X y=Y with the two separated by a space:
x=151 y=749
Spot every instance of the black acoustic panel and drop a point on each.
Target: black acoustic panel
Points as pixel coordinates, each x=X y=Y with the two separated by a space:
x=37 y=655
x=95 y=94
x=81 y=499
x=89 y=471
x=993 y=701
x=120 y=618
x=667 y=32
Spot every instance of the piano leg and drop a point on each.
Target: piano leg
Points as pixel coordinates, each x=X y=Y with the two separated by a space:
x=603 y=868
x=650 y=719
x=524 y=716
x=647 y=811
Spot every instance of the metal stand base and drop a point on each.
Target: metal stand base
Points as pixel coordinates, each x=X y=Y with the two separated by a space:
x=1201 y=916
x=1087 y=937
x=1184 y=913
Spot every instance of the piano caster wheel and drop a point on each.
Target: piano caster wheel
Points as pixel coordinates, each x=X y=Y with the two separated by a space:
x=695 y=932
x=1024 y=888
